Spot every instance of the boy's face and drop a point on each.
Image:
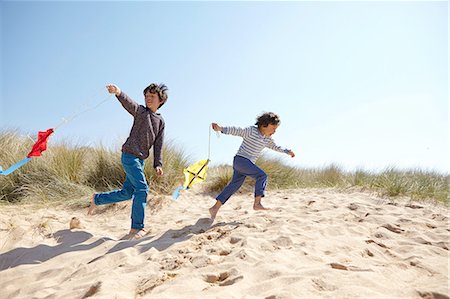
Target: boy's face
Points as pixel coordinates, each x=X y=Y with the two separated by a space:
x=152 y=100
x=269 y=130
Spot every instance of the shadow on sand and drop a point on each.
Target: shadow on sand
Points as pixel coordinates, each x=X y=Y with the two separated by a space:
x=67 y=242
x=169 y=238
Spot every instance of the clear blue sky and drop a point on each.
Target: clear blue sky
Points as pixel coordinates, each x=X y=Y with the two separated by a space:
x=360 y=84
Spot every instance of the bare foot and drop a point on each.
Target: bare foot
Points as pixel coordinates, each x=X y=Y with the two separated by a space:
x=135 y=234
x=92 y=206
x=214 y=209
x=213 y=212
x=260 y=207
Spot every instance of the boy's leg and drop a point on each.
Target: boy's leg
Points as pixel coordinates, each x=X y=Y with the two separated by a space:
x=134 y=167
x=103 y=198
x=236 y=182
x=125 y=193
x=248 y=168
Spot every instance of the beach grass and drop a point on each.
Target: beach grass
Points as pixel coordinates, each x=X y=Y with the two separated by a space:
x=391 y=182
x=68 y=172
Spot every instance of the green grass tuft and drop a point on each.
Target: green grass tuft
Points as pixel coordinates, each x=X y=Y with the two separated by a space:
x=68 y=172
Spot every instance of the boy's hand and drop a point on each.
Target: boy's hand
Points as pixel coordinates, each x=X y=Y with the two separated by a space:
x=216 y=127
x=112 y=88
x=291 y=153
x=159 y=171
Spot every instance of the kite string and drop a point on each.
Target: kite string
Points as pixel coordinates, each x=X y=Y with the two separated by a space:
x=209 y=143
x=88 y=108
x=65 y=121
x=87 y=103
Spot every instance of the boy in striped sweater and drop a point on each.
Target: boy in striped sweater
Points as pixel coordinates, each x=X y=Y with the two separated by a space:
x=256 y=138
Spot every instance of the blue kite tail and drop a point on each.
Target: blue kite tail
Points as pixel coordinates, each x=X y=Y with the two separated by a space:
x=177 y=193
x=14 y=167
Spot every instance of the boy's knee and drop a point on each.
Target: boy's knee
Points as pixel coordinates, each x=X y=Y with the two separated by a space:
x=141 y=191
x=141 y=195
x=262 y=175
x=127 y=192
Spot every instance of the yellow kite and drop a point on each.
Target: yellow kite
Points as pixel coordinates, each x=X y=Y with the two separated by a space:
x=193 y=174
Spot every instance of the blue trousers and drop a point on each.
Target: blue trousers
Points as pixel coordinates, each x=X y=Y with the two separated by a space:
x=243 y=167
x=135 y=187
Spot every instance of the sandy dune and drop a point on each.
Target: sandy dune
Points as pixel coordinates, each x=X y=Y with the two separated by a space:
x=315 y=243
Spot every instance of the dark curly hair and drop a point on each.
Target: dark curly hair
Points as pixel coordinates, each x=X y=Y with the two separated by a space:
x=267 y=118
x=159 y=89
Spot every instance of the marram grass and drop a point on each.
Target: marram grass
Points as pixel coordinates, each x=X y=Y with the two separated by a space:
x=416 y=184
x=66 y=173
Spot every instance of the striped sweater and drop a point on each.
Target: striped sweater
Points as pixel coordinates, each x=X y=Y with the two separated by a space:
x=254 y=142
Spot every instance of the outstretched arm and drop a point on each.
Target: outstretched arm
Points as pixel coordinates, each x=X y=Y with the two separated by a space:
x=231 y=130
x=277 y=148
x=127 y=103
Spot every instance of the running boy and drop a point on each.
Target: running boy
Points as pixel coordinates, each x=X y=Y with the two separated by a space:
x=256 y=138
x=147 y=131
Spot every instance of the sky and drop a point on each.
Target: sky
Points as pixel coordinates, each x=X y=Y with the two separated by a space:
x=360 y=84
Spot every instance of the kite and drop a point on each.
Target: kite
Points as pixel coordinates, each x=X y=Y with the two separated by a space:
x=194 y=173
x=41 y=144
x=38 y=147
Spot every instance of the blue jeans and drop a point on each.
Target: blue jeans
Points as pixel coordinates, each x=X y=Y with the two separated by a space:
x=243 y=167
x=135 y=186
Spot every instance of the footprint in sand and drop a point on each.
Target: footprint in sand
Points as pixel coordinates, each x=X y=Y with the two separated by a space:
x=200 y=261
x=321 y=285
x=223 y=279
x=147 y=285
x=221 y=252
x=235 y=239
x=283 y=242
x=170 y=263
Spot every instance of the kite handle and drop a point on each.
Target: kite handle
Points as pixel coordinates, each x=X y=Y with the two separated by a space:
x=176 y=193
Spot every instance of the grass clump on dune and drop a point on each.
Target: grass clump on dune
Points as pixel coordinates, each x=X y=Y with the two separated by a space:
x=67 y=172
x=70 y=172
x=417 y=184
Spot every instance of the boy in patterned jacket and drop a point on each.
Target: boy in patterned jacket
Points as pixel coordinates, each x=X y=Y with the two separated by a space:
x=147 y=132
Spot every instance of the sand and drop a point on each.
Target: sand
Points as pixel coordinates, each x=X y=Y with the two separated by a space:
x=314 y=243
